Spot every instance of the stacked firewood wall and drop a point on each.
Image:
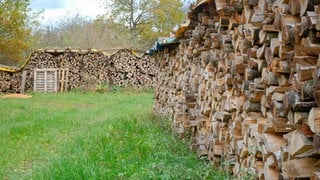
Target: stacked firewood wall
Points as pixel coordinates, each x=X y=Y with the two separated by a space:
x=244 y=86
x=128 y=70
x=10 y=81
x=87 y=69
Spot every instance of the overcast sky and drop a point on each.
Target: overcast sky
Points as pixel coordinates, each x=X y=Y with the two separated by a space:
x=57 y=9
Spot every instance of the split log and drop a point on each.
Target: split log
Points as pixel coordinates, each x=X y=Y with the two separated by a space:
x=292 y=168
x=298 y=142
x=314 y=120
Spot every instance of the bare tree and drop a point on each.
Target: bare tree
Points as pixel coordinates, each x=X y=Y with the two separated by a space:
x=79 y=32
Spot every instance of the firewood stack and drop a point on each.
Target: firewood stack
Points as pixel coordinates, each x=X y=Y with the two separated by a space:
x=130 y=71
x=87 y=69
x=244 y=86
x=10 y=81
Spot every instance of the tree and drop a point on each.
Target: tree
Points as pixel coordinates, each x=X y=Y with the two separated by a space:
x=147 y=19
x=132 y=12
x=14 y=32
x=166 y=15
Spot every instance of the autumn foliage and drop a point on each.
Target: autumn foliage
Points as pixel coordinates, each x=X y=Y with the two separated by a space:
x=13 y=30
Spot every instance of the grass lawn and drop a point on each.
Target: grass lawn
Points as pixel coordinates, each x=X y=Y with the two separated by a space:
x=78 y=135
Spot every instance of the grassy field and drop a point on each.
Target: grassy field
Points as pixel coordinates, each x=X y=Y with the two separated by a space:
x=78 y=135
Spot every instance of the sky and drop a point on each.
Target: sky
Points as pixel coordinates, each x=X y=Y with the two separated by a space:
x=55 y=10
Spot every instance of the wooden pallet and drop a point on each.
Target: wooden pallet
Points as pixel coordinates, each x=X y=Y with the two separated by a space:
x=50 y=80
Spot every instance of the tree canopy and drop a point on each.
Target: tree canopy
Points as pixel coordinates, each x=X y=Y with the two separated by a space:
x=147 y=19
x=132 y=12
x=166 y=15
x=14 y=33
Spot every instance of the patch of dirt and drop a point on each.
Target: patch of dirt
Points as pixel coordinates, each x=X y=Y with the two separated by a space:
x=21 y=96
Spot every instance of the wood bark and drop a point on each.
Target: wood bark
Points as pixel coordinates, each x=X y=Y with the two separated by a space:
x=263 y=92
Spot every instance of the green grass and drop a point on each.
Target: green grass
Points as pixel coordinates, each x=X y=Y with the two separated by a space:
x=78 y=135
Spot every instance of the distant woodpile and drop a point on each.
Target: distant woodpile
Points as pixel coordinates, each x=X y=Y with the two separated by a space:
x=85 y=69
x=244 y=86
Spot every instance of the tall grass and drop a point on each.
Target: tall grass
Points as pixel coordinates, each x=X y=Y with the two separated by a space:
x=92 y=136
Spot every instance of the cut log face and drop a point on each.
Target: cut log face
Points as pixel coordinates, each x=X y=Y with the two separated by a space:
x=298 y=142
x=314 y=120
x=292 y=168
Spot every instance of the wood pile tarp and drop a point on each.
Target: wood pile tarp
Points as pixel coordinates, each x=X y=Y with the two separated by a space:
x=243 y=85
